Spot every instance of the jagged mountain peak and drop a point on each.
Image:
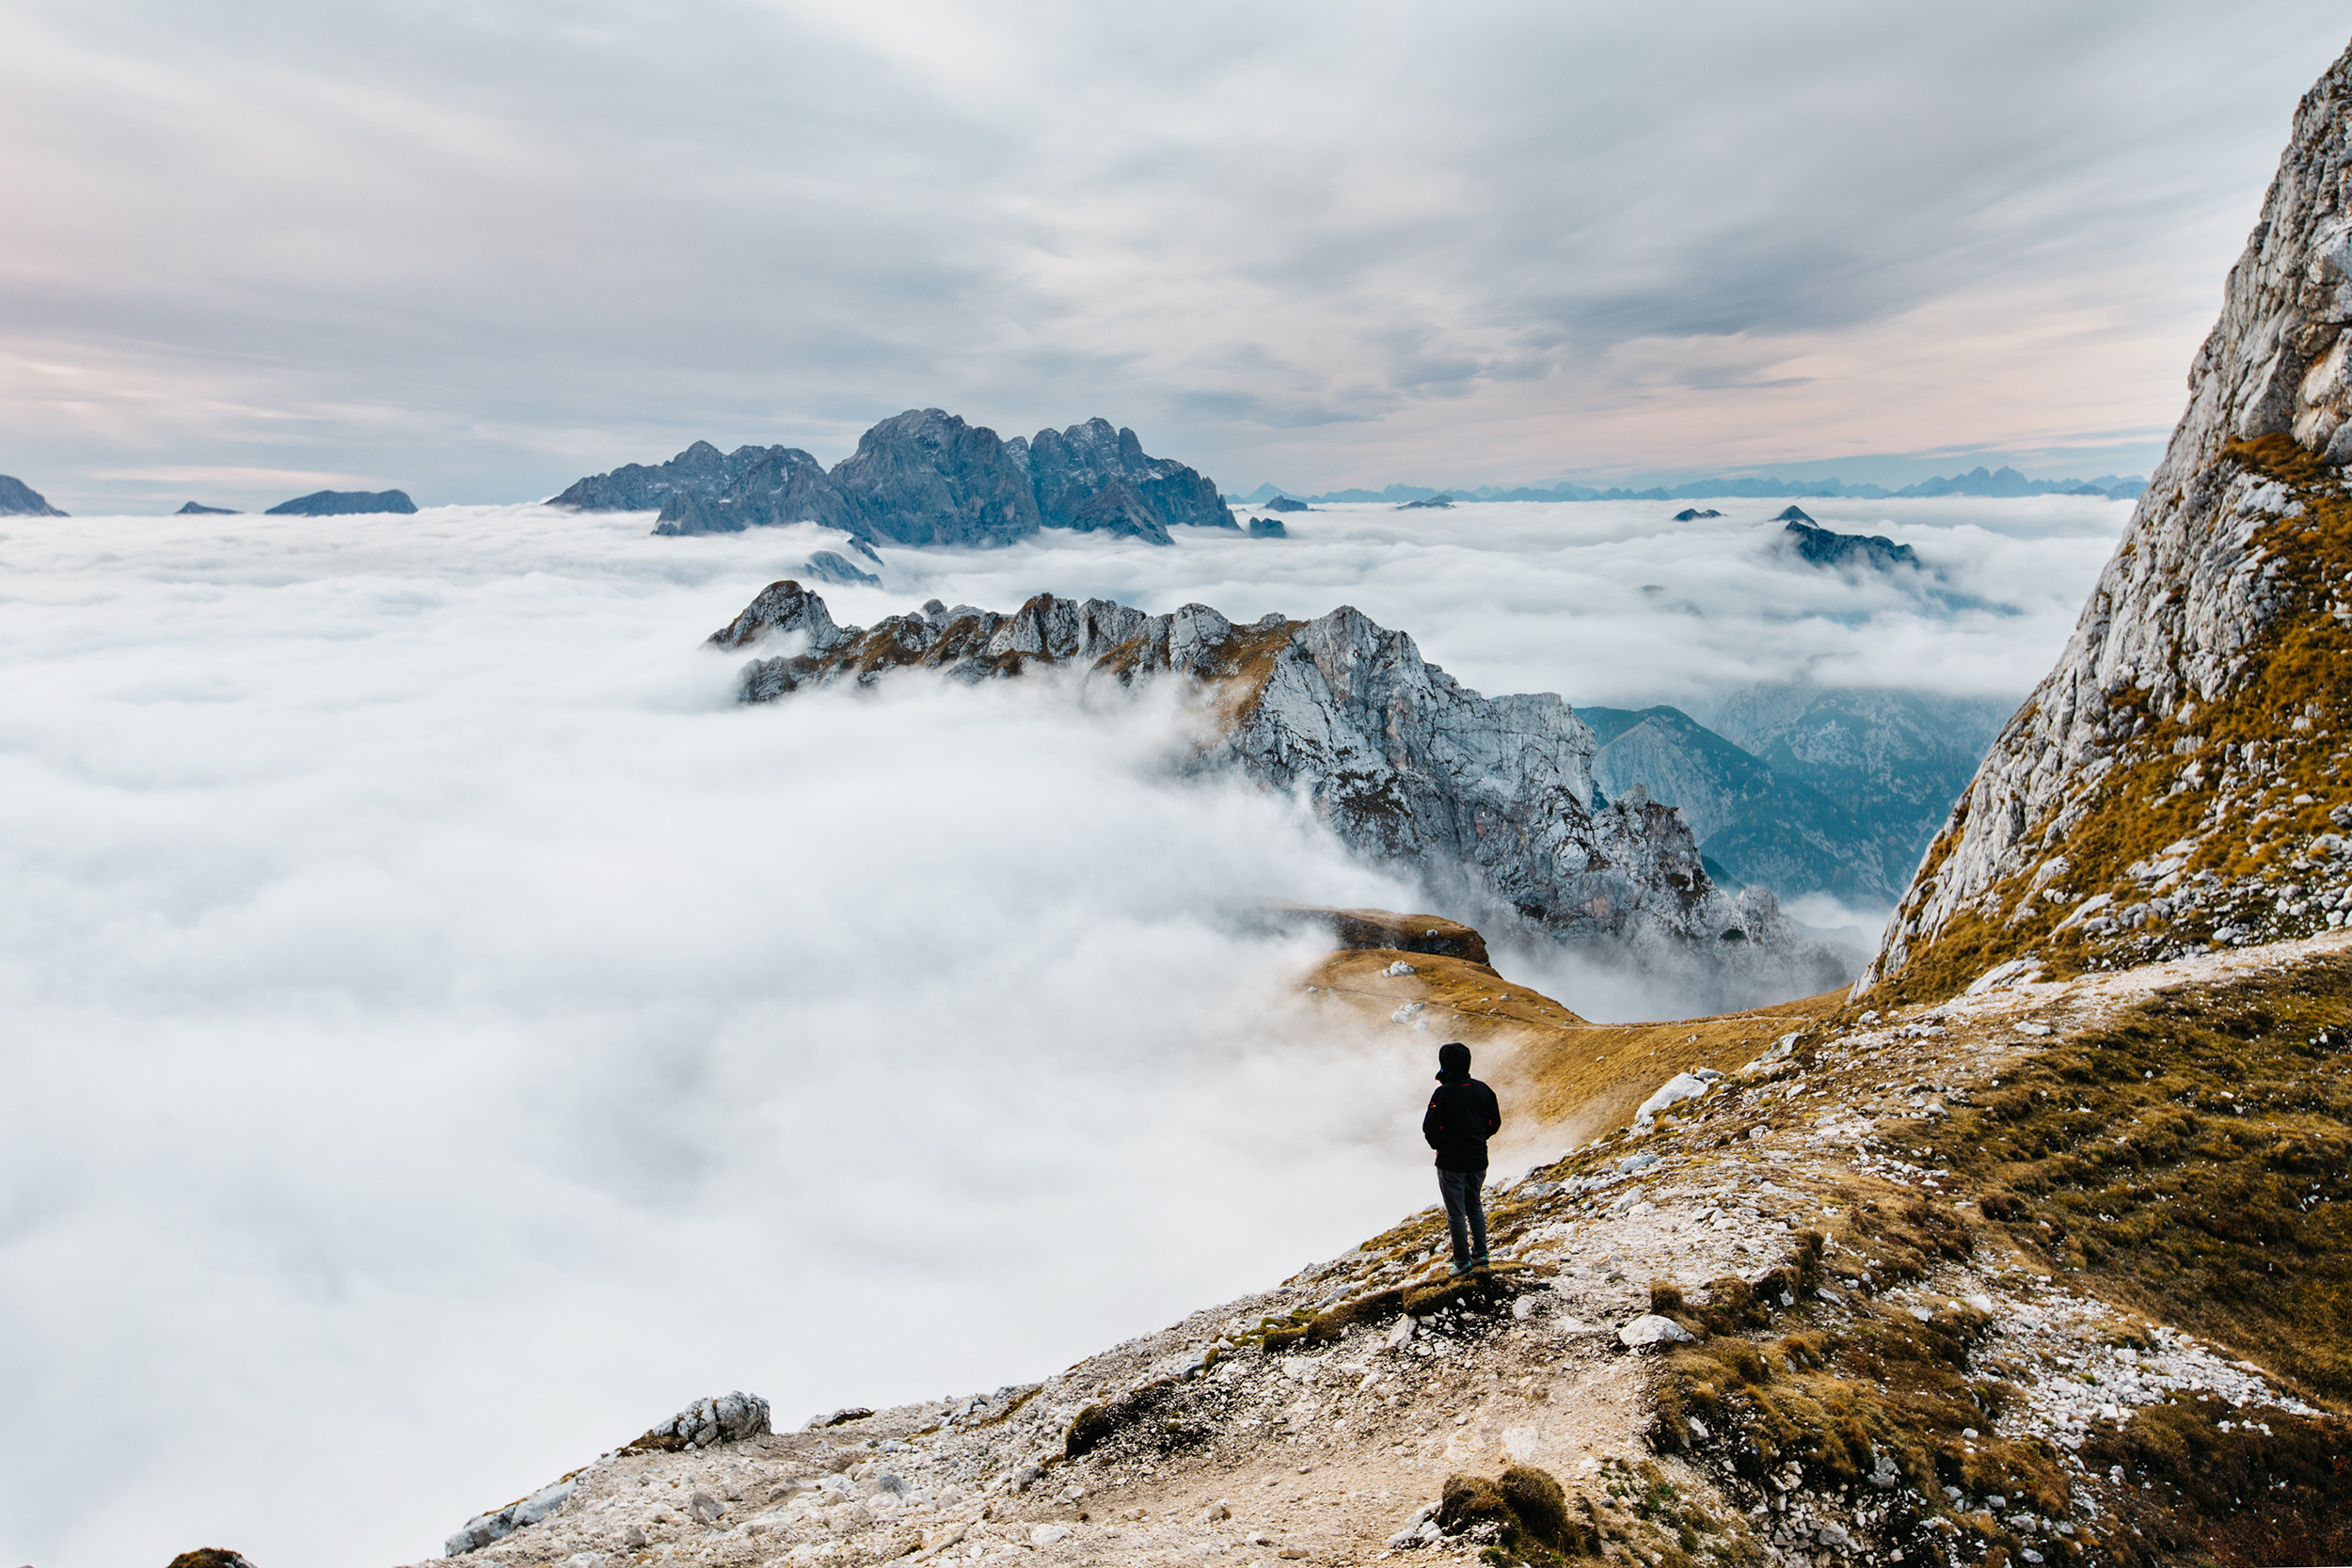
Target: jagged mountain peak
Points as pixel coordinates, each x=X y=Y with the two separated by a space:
x=2173 y=782
x=1489 y=800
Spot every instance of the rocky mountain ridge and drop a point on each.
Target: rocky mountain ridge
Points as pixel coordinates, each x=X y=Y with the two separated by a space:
x=923 y=477
x=2175 y=780
x=1489 y=800
x=1827 y=789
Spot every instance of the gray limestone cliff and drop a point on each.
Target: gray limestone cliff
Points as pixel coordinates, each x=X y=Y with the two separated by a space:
x=2172 y=783
x=924 y=477
x=1489 y=800
x=20 y=500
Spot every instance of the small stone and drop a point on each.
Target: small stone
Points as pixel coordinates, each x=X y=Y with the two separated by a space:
x=1045 y=1535
x=1214 y=1513
x=1400 y=967
x=632 y=1535
x=704 y=1508
x=1652 y=1329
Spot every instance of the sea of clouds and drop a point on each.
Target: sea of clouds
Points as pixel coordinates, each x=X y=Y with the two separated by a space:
x=446 y=1033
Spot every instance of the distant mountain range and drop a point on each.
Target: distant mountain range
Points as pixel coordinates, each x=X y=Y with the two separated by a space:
x=1977 y=481
x=924 y=477
x=1805 y=788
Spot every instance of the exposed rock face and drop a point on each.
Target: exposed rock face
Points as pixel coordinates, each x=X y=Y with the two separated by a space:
x=2171 y=782
x=1267 y=527
x=1284 y=503
x=832 y=566
x=635 y=487
x=191 y=509
x=1428 y=503
x=777 y=484
x=343 y=503
x=924 y=477
x=1825 y=548
x=20 y=500
x=1692 y=514
x=1490 y=800
x=1090 y=476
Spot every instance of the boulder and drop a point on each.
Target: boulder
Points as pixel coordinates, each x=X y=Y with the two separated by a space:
x=483 y=1528
x=1650 y=1330
x=343 y=503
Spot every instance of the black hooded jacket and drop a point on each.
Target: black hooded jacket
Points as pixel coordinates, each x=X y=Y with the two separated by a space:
x=1462 y=1114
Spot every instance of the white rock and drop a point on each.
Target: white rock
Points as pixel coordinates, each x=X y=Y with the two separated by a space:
x=1400 y=967
x=1045 y=1535
x=1682 y=1086
x=1651 y=1329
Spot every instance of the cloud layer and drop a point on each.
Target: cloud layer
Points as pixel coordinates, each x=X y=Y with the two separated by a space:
x=477 y=250
x=447 y=1034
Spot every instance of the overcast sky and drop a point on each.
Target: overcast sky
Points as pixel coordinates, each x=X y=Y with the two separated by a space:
x=476 y=249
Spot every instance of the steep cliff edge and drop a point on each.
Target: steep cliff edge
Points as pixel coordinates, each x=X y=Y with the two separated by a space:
x=2174 y=781
x=1488 y=800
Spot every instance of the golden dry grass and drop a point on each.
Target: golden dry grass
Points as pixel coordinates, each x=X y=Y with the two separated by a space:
x=1557 y=1074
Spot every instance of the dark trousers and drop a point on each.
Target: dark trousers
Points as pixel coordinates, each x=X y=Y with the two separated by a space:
x=1465 y=1215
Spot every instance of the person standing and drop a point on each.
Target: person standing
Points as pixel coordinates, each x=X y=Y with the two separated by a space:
x=1462 y=1115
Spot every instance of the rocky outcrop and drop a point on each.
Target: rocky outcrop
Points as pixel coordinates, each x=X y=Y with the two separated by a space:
x=1382 y=930
x=2172 y=782
x=1285 y=503
x=834 y=567
x=20 y=500
x=1489 y=800
x=1692 y=514
x=343 y=503
x=1428 y=503
x=1826 y=548
x=191 y=509
x=1093 y=477
x=924 y=477
x=1267 y=527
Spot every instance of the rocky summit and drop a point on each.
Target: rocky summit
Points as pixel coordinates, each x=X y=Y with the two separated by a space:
x=1489 y=800
x=2175 y=780
x=1823 y=547
x=344 y=503
x=20 y=500
x=924 y=477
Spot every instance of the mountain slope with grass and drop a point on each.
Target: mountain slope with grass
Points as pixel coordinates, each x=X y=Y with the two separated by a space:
x=2055 y=1270
x=2175 y=782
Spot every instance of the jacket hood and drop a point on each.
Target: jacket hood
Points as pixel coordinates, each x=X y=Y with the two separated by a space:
x=1453 y=1063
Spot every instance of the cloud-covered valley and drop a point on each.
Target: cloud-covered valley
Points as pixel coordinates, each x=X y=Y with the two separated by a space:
x=443 y=1023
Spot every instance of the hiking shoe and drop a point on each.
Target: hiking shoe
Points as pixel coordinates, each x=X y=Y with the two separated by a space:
x=1459 y=1271
x=1479 y=1263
